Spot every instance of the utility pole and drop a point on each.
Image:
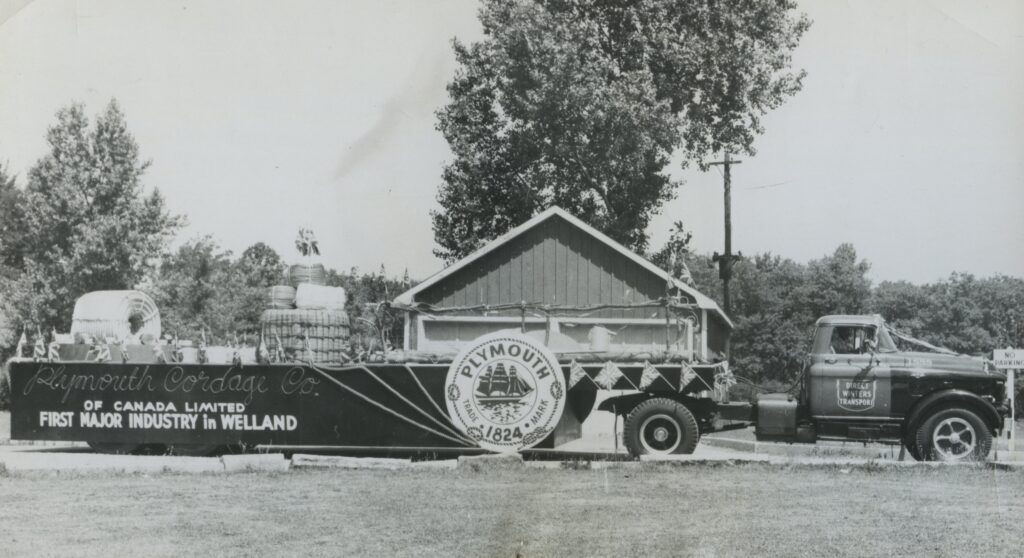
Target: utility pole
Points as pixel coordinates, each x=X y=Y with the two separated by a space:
x=726 y=260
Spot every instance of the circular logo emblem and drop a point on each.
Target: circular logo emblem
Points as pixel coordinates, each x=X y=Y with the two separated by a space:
x=505 y=391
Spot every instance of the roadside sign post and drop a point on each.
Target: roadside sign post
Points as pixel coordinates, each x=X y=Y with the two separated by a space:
x=1010 y=360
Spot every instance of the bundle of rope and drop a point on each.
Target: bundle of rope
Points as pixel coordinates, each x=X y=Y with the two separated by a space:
x=116 y=314
x=281 y=297
x=312 y=273
x=304 y=334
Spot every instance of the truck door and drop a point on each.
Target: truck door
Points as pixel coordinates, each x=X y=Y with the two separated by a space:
x=846 y=379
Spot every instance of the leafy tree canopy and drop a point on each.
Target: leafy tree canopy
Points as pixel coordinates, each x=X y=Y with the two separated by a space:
x=581 y=103
x=88 y=222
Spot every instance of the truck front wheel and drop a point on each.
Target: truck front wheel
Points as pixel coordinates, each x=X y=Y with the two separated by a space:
x=954 y=434
x=661 y=426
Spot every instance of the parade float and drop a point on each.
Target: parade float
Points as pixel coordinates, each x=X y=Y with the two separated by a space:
x=507 y=350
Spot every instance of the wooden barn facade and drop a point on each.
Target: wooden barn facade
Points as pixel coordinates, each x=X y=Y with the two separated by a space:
x=556 y=276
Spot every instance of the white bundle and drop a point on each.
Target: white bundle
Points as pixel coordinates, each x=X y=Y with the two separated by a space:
x=117 y=314
x=318 y=297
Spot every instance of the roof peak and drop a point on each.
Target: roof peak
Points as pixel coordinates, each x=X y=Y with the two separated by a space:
x=701 y=299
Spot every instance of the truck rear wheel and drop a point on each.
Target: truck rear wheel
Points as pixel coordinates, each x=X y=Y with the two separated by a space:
x=661 y=426
x=954 y=434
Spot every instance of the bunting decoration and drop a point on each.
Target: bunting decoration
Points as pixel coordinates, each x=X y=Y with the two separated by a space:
x=201 y=357
x=649 y=376
x=158 y=352
x=724 y=380
x=262 y=355
x=278 y=350
x=100 y=350
x=20 y=350
x=54 y=347
x=236 y=354
x=608 y=376
x=687 y=375
x=124 y=349
x=39 y=353
x=576 y=373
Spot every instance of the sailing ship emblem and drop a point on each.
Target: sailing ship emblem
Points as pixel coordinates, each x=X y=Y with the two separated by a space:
x=505 y=391
x=498 y=385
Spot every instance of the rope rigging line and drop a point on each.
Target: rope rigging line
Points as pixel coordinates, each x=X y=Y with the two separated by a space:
x=426 y=394
x=445 y=427
x=382 y=407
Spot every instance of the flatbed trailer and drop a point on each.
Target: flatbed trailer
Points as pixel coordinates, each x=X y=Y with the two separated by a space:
x=861 y=381
x=198 y=408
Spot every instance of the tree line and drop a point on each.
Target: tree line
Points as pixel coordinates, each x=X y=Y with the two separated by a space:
x=83 y=221
x=775 y=302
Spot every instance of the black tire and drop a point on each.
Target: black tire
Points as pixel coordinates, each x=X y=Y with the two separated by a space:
x=661 y=426
x=953 y=434
x=910 y=442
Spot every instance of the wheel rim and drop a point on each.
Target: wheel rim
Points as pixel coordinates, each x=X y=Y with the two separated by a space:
x=954 y=438
x=660 y=434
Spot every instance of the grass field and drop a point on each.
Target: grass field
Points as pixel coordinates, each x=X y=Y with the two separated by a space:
x=701 y=510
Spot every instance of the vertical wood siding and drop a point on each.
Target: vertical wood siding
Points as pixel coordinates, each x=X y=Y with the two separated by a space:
x=554 y=263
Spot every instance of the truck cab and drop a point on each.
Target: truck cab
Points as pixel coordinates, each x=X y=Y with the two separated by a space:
x=864 y=381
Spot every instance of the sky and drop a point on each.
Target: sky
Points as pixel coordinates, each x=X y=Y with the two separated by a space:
x=263 y=117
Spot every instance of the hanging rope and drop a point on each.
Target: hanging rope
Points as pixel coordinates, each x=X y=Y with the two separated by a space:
x=384 y=408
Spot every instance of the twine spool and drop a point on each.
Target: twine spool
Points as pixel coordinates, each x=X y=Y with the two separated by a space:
x=313 y=274
x=281 y=297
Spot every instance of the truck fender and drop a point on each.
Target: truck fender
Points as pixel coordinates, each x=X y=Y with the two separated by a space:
x=623 y=404
x=960 y=397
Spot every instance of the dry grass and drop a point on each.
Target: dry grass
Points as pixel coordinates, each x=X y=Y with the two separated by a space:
x=749 y=510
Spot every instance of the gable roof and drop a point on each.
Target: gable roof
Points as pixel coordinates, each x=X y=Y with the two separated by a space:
x=701 y=299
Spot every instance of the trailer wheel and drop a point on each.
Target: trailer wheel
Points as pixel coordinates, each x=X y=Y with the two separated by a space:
x=661 y=426
x=954 y=434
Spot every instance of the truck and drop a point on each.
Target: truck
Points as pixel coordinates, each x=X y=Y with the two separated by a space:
x=862 y=380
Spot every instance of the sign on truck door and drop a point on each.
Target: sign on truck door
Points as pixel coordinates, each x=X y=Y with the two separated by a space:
x=847 y=377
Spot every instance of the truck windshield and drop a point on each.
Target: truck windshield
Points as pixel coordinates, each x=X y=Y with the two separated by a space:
x=853 y=339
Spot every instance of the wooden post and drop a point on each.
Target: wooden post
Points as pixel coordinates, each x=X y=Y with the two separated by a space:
x=522 y=317
x=1013 y=403
x=668 y=330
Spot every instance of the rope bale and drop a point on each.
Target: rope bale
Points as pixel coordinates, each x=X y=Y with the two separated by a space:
x=313 y=274
x=116 y=314
x=318 y=297
x=327 y=331
x=281 y=297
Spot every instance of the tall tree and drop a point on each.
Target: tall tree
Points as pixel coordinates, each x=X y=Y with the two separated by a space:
x=582 y=103
x=90 y=224
x=12 y=225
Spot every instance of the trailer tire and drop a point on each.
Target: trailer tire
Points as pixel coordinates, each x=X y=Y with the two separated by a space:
x=954 y=434
x=661 y=426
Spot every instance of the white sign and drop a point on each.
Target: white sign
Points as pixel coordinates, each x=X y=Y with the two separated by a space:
x=505 y=391
x=1006 y=359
